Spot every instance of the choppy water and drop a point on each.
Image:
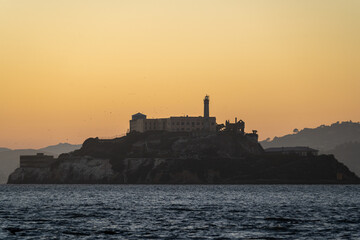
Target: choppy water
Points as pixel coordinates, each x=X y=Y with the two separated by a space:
x=179 y=212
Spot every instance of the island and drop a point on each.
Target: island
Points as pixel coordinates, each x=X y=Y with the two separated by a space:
x=181 y=158
x=182 y=150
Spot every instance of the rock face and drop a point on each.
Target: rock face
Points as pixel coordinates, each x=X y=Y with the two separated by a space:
x=175 y=158
x=72 y=170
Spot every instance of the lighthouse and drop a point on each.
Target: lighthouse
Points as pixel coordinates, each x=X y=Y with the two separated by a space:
x=206 y=106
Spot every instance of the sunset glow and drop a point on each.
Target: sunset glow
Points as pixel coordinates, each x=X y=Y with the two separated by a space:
x=70 y=70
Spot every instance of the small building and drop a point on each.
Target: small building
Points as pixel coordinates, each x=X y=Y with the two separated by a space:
x=138 y=116
x=252 y=136
x=39 y=160
x=236 y=127
x=300 y=151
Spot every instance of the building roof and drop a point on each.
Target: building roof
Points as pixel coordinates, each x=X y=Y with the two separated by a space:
x=138 y=114
x=186 y=117
x=291 y=149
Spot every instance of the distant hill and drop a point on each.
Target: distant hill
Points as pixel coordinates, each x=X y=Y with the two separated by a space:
x=341 y=139
x=60 y=148
x=323 y=137
x=349 y=153
x=9 y=159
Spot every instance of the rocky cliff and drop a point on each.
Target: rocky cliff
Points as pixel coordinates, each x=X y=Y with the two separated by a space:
x=70 y=170
x=172 y=158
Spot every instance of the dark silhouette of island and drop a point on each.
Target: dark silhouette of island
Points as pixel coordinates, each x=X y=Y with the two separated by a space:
x=160 y=157
x=341 y=139
x=182 y=149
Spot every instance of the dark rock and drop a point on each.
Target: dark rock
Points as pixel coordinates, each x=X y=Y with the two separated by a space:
x=182 y=158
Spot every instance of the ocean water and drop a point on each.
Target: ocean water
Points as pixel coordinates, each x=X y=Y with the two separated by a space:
x=179 y=212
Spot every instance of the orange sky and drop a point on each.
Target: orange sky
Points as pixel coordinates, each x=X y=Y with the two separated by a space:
x=70 y=70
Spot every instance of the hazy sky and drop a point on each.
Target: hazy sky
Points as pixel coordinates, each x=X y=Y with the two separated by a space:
x=70 y=70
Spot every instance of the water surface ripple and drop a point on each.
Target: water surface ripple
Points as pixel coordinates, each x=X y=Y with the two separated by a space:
x=179 y=212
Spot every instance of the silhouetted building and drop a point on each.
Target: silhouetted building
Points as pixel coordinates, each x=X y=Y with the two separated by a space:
x=138 y=116
x=36 y=161
x=140 y=123
x=206 y=106
x=253 y=136
x=236 y=127
x=300 y=151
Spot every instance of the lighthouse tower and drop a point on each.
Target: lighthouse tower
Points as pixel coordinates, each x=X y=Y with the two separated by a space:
x=206 y=106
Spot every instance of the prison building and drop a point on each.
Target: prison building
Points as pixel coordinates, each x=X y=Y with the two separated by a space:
x=140 y=123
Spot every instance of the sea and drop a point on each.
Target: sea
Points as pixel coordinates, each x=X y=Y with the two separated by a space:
x=179 y=212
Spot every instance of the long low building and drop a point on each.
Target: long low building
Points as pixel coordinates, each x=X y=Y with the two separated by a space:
x=39 y=160
x=174 y=124
x=140 y=123
x=300 y=151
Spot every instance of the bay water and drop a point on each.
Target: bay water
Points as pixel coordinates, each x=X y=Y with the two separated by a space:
x=179 y=212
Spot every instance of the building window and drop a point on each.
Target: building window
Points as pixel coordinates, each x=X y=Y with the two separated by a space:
x=187 y=123
x=182 y=123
